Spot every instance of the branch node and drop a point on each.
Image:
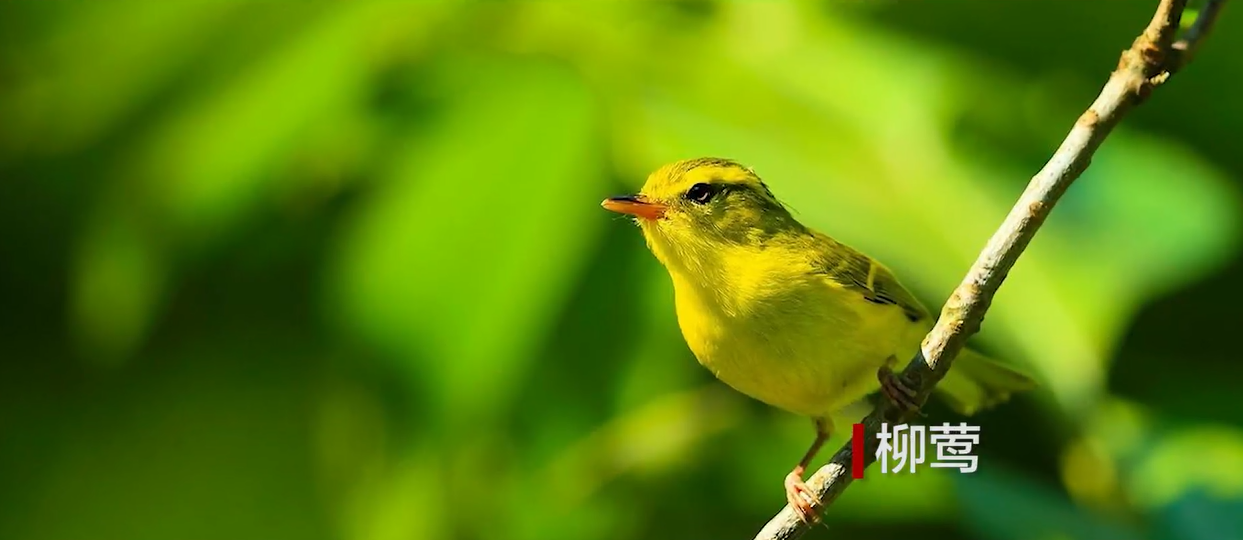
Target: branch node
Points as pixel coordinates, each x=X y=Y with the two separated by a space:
x=1087 y=120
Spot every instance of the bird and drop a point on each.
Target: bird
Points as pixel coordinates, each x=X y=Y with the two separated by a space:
x=788 y=315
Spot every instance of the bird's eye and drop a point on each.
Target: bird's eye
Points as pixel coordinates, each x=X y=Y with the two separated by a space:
x=700 y=193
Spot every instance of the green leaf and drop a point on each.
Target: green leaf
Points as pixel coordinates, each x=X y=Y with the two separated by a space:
x=1002 y=505
x=457 y=263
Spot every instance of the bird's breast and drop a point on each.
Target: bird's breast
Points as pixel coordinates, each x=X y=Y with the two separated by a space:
x=805 y=347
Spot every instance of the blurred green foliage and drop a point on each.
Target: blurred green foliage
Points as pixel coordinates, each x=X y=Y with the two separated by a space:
x=337 y=269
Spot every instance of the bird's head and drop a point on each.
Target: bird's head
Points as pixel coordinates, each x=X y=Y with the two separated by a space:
x=692 y=209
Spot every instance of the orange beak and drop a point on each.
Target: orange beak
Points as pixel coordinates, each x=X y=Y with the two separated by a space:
x=634 y=205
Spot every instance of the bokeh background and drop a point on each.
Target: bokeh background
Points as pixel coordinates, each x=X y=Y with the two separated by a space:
x=338 y=270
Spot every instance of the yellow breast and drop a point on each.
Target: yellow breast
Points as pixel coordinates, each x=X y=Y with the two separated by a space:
x=805 y=346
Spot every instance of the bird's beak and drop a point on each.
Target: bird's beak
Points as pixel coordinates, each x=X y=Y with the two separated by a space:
x=634 y=205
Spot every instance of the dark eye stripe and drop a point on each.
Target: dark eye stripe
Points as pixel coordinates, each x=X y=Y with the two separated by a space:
x=704 y=192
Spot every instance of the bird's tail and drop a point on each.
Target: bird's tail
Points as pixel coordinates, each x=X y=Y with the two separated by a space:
x=976 y=382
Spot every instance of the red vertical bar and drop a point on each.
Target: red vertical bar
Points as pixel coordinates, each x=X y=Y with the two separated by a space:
x=856 y=452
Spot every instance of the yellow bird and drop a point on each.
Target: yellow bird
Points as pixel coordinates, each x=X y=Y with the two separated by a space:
x=785 y=314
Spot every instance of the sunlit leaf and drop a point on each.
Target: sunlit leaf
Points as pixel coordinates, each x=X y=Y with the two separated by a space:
x=212 y=161
x=458 y=262
x=1208 y=459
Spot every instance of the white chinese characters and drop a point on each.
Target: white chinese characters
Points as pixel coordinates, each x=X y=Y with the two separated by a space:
x=954 y=444
x=905 y=444
x=903 y=447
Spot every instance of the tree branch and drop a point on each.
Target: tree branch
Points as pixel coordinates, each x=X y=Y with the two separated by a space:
x=1186 y=47
x=1150 y=61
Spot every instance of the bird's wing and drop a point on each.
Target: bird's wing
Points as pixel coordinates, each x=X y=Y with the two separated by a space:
x=857 y=272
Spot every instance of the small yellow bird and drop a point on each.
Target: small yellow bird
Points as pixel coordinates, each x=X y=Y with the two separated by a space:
x=785 y=314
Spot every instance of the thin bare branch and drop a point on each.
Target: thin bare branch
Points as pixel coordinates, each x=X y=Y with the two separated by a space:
x=1148 y=63
x=1186 y=47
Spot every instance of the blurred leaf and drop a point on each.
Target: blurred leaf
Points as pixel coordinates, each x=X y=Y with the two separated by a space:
x=212 y=161
x=205 y=442
x=1001 y=505
x=660 y=362
x=129 y=57
x=1189 y=477
x=1200 y=516
x=648 y=440
x=923 y=497
x=119 y=278
x=404 y=504
x=1204 y=458
x=466 y=251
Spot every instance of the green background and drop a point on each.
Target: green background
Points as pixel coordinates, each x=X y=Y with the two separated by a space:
x=338 y=270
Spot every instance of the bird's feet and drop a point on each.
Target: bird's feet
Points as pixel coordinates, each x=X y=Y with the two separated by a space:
x=896 y=391
x=801 y=498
